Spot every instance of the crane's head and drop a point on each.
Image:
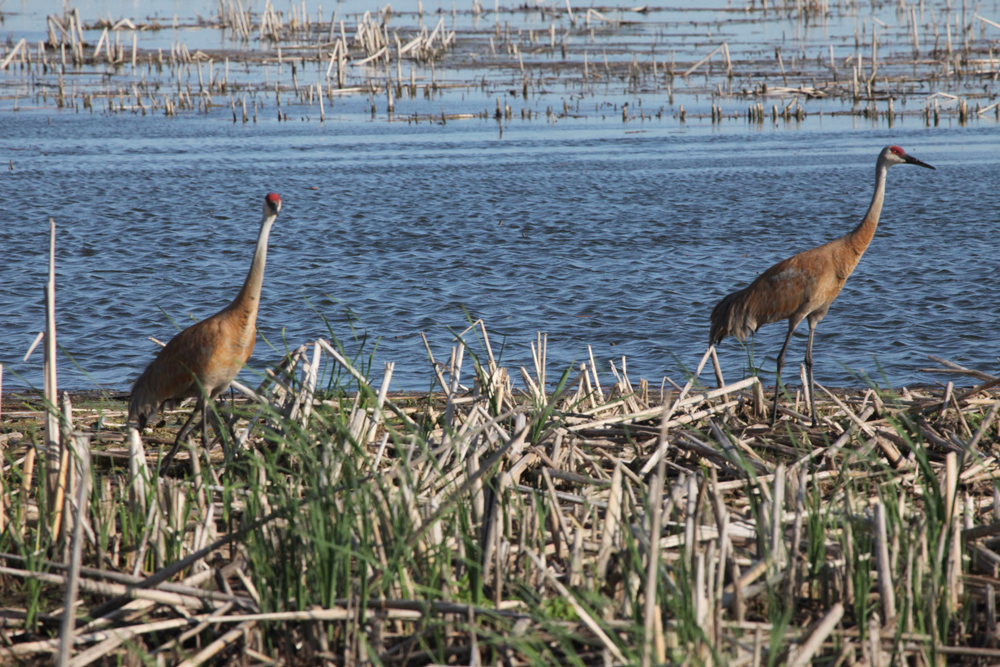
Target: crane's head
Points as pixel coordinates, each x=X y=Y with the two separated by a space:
x=272 y=204
x=895 y=155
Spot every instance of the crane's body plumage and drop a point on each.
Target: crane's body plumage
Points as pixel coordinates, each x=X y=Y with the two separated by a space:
x=803 y=286
x=208 y=354
x=204 y=359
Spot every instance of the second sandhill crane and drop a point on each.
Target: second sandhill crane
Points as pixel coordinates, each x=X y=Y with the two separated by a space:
x=802 y=287
x=201 y=361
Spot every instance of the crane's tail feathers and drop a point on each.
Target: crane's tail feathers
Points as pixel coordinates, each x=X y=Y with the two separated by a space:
x=143 y=404
x=730 y=318
x=140 y=410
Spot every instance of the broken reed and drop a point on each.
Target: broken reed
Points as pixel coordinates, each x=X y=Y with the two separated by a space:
x=930 y=47
x=478 y=523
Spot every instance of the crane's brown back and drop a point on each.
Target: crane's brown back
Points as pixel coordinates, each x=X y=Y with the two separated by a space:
x=209 y=353
x=804 y=285
x=794 y=288
x=207 y=356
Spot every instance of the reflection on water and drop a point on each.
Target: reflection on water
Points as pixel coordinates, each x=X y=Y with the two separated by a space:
x=617 y=235
x=578 y=229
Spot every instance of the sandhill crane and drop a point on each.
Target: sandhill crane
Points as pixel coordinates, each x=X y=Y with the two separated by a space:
x=201 y=361
x=804 y=286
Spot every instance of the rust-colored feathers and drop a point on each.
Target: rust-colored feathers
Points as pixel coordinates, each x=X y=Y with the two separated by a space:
x=803 y=286
x=793 y=288
x=207 y=356
x=209 y=353
x=806 y=284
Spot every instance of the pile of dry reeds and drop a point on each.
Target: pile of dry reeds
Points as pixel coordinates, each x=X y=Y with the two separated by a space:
x=481 y=523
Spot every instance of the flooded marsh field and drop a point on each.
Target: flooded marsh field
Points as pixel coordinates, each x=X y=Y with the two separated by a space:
x=611 y=203
x=480 y=424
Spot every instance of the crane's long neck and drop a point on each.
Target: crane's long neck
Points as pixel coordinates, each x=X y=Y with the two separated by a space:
x=859 y=238
x=247 y=301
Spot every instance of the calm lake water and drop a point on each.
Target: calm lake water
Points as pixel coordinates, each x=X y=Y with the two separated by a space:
x=620 y=236
x=617 y=240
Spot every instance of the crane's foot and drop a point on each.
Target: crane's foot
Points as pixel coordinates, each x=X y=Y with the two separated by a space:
x=219 y=432
x=774 y=409
x=777 y=399
x=164 y=463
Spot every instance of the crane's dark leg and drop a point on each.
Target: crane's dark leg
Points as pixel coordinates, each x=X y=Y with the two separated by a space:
x=183 y=432
x=220 y=429
x=205 y=442
x=809 y=372
x=777 y=374
x=200 y=405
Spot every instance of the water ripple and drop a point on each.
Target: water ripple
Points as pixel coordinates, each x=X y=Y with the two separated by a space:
x=622 y=242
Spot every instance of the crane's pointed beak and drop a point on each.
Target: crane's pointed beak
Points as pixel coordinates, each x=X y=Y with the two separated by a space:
x=912 y=160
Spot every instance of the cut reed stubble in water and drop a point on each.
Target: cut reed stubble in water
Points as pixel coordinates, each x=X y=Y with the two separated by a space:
x=561 y=522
